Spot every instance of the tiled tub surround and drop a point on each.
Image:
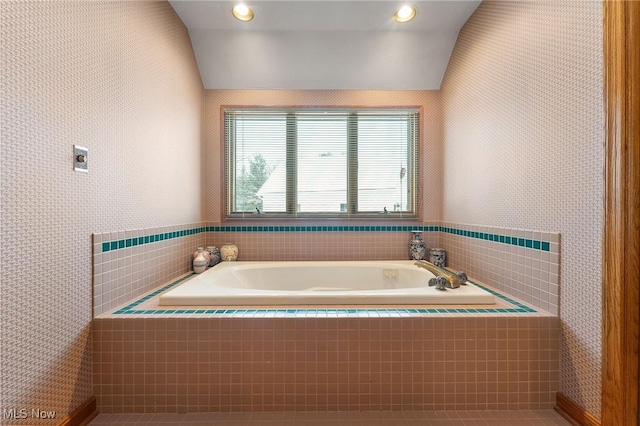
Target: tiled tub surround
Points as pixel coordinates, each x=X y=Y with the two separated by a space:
x=524 y=264
x=127 y=264
x=206 y=363
x=197 y=359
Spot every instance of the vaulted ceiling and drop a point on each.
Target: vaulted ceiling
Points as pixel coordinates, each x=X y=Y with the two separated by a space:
x=330 y=44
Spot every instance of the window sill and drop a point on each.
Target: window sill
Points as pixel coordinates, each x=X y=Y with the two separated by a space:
x=319 y=221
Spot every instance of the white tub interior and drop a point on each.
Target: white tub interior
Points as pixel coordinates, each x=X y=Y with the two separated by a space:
x=318 y=283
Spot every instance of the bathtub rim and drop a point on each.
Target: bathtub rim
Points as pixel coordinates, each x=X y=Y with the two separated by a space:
x=143 y=307
x=226 y=285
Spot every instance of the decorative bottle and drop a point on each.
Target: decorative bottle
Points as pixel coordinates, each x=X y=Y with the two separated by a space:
x=438 y=256
x=229 y=252
x=417 y=249
x=214 y=254
x=200 y=263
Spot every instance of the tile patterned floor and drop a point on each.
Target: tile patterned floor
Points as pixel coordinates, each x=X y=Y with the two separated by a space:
x=343 y=418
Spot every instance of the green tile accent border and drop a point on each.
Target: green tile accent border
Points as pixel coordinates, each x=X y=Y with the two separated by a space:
x=130 y=309
x=148 y=239
x=504 y=239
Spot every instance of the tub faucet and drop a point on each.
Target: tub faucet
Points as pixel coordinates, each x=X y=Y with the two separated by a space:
x=453 y=279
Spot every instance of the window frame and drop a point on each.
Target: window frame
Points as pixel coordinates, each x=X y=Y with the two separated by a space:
x=291 y=178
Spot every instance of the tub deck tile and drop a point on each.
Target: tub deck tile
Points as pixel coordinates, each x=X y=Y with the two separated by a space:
x=148 y=305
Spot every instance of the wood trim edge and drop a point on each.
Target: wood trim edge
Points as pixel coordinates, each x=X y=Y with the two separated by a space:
x=82 y=415
x=575 y=414
x=621 y=243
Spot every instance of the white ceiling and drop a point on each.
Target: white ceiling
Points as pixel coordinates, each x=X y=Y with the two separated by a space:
x=330 y=44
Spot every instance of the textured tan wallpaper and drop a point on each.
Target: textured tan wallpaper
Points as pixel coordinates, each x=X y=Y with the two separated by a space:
x=522 y=148
x=431 y=132
x=521 y=142
x=121 y=79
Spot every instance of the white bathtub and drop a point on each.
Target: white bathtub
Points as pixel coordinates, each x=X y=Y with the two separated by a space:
x=397 y=282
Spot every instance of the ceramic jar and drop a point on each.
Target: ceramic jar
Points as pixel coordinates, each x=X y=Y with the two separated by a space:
x=229 y=252
x=438 y=256
x=200 y=262
x=214 y=254
x=417 y=248
x=204 y=253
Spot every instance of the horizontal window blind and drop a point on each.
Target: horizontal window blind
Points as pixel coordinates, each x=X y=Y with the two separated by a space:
x=310 y=162
x=255 y=152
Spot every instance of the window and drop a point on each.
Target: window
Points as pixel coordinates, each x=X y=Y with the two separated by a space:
x=318 y=163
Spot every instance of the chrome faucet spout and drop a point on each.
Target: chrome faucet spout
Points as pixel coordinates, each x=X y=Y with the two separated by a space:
x=454 y=279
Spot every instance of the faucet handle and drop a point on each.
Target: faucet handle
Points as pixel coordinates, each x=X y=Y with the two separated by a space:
x=462 y=278
x=439 y=282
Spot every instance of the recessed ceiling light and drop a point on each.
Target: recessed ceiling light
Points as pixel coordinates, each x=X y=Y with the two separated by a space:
x=405 y=14
x=242 y=12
